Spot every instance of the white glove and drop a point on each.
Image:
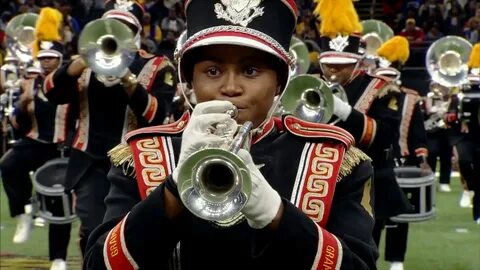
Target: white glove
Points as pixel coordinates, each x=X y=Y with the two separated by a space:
x=340 y=108
x=199 y=132
x=264 y=201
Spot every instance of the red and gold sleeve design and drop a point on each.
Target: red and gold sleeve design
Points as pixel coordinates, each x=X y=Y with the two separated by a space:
x=329 y=251
x=150 y=109
x=369 y=131
x=48 y=83
x=115 y=251
x=421 y=152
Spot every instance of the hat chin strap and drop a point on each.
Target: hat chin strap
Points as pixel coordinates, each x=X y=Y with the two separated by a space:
x=332 y=77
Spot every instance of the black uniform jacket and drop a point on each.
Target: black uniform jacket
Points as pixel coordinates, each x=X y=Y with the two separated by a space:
x=107 y=113
x=412 y=141
x=324 y=225
x=374 y=123
x=49 y=123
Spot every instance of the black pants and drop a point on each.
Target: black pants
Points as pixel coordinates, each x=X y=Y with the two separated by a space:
x=396 y=235
x=28 y=155
x=90 y=189
x=439 y=146
x=469 y=163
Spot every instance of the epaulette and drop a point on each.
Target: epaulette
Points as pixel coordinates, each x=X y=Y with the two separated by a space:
x=353 y=156
x=121 y=155
x=306 y=129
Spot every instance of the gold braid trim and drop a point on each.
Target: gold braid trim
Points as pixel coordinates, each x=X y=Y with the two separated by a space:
x=351 y=159
x=122 y=156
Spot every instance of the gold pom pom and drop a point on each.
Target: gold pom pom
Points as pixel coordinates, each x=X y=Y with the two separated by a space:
x=395 y=49
x=338 y=17
x=474 y=60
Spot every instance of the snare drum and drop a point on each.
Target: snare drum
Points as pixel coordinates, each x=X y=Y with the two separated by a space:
x=50 y=200
x=420 y=190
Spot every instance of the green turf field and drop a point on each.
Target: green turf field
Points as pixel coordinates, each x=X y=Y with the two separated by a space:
x=450 y=242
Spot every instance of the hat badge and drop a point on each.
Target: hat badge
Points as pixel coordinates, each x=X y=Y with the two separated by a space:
x=240 y=12
x=125 y=5
x=46 y=45
x=339 y=43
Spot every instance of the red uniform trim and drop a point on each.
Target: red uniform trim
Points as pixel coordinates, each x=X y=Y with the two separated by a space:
x=329 y=252
x=369 y=131
x=317 y=130
x=172 y=128
x=48 y=82
x=115 y=252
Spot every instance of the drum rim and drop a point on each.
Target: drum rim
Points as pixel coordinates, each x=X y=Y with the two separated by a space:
x=45 y=190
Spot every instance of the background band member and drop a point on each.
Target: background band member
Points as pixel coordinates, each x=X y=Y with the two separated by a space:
x=373 y=112
x=48 y=127
x=468 y=144
x=108 y=109
x=240 y=62
x=438 y=134
x=412 y=142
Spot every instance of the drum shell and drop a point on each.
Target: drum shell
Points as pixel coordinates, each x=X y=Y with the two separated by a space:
x=50 y=200
x=420 y=190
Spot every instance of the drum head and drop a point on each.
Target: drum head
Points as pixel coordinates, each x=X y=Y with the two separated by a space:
x=51 y=176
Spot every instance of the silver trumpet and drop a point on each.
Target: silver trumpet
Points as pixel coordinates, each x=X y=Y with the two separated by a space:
x=108 y=48
x=310 y=98
x=214 y=183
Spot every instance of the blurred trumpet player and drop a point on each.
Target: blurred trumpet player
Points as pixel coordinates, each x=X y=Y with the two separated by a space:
x=47 y=127
x=464 y=115
x=109 y=107
x=372 y=112
x=301 y=206
x=412 y=142
x=436 y=106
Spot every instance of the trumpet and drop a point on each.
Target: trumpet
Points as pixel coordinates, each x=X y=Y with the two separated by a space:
x=311 y=98
x=214 y=183
x=108 y=48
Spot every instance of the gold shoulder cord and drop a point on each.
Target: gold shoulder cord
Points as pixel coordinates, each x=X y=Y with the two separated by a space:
x=351 y=159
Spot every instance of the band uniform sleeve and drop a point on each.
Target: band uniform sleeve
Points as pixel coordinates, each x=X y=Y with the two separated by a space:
x=417 y=138
x=373 y=130
x=151 y=107
x=135 y=233
x=59 y=87
x=345 y=243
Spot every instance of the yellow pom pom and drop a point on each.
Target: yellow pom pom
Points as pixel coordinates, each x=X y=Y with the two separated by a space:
x=395 y=49
x=48 y=25
x=338 y=17
x=474 y=60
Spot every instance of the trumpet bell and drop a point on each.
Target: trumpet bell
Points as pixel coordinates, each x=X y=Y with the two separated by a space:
x=446 y=61
x=375 y=33
x=301 y=55
x=308 y=98
x=107 y=46
x=214 y=184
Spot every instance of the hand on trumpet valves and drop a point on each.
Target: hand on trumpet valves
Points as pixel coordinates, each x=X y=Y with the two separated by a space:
x=341 y=108
x=210 y=126
x=264 y=203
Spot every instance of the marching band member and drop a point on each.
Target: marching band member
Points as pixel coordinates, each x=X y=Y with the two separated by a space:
x=468 y=145
x=412 y=143
x=302 y=213
x=48 y=127
x=438 y=133
x=108 y=109
x=373 y=112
